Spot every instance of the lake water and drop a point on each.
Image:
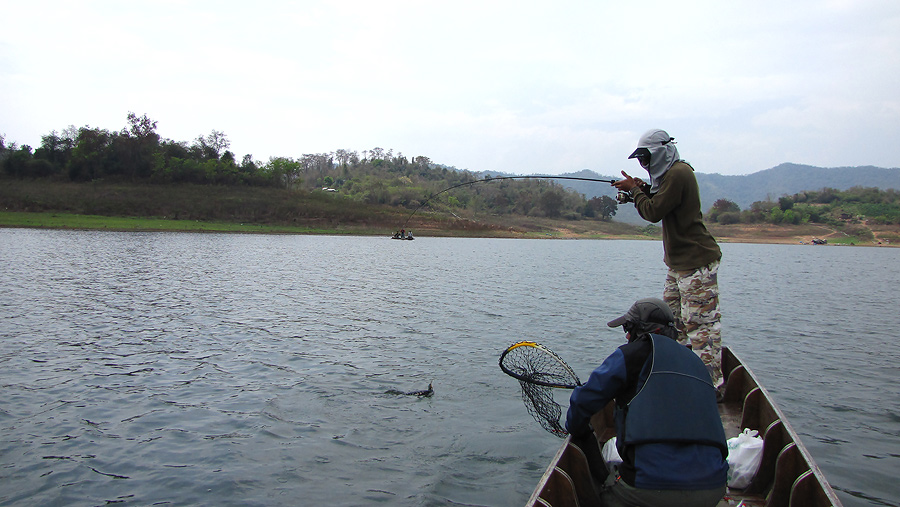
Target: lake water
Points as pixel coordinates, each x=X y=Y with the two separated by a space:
x=201 y=369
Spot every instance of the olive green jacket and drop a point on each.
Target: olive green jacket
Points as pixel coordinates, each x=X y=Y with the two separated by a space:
x=687 y=243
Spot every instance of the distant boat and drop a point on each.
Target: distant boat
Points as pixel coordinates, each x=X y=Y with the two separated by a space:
x=787 y=475
x=818 y=241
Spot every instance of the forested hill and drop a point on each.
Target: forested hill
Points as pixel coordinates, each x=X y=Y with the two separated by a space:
x=138 y=155
x=788 y=179
x=770 y=184
x=88 y=158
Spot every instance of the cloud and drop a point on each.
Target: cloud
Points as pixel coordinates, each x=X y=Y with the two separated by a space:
x=515 y=86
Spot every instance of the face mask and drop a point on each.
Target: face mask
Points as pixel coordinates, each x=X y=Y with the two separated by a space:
x=663 y=155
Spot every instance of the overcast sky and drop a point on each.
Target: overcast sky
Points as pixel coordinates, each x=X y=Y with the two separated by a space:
x=516 y=86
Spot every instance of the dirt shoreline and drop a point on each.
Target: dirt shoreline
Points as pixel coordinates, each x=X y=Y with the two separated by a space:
x=885 y=236
x=802 y=234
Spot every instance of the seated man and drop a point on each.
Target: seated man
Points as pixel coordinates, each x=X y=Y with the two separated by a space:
x=668 y=431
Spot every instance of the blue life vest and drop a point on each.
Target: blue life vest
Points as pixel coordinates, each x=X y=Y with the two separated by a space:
x=676 y=404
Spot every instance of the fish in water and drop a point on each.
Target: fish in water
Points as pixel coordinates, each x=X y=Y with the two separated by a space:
x=424 y=393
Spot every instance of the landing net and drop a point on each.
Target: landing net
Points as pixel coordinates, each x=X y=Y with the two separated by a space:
x=539 y=370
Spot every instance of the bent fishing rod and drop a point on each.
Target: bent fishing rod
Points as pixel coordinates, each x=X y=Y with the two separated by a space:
x=501 y=178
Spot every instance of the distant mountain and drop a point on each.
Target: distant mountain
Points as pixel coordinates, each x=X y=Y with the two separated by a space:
x=784 y=179
x=789 y=179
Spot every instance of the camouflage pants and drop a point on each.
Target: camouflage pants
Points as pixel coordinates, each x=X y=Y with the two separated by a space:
x=693 y=297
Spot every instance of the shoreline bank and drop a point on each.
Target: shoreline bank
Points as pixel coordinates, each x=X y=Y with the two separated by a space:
x=762 y=234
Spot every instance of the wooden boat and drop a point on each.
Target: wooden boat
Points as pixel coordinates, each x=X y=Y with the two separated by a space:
x=787 y=476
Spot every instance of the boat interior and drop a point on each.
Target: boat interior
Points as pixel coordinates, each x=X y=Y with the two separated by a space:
x=787 y=475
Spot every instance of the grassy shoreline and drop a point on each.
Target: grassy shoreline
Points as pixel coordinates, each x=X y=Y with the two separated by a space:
x=50 y=220
x=72 y=221
x=763 y=234
x=121 y=206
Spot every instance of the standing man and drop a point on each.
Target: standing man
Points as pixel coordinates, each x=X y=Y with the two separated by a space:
x=691 y=253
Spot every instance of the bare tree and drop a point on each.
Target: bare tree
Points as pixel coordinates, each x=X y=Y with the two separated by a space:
x=213 y=145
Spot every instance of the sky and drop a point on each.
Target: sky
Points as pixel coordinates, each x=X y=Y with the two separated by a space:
x=521 y=87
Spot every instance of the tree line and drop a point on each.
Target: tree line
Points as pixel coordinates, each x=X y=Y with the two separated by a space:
x=137 y=153
x=827 y=206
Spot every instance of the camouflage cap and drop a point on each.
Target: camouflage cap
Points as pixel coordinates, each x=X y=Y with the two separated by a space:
x=646 y=311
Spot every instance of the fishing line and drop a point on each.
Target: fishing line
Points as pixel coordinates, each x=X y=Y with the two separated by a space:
x=500 y=178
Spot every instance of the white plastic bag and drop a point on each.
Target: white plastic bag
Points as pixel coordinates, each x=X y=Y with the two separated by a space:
x=744 y=456
x=611 y=454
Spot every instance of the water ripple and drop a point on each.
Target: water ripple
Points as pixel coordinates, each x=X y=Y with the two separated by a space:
x=155 y=368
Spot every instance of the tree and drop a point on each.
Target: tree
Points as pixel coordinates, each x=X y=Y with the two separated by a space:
x=422 y=163
x=212 y=146
x=16 y=161
x=285 y=171
x=730 y=217
x=551 y=203
x=827 y=195
x=604 y=206
x=91 y=156
x=785 y=203
x=775 y=215
x=791 y=217
x=344 y=157
x=722 y=206
x=138 y=148
x=56 y=149
x=141 y=127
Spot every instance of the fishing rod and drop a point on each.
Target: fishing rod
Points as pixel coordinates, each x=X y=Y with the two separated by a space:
x=489 y=178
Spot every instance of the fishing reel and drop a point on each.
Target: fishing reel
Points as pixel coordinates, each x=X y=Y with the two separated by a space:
x=624 y=197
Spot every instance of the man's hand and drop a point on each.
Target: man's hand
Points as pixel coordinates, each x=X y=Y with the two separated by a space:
x=627 y=183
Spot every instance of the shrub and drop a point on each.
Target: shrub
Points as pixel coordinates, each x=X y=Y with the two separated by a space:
x=730 y=217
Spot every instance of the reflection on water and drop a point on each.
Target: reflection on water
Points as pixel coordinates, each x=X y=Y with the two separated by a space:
x=256 y=370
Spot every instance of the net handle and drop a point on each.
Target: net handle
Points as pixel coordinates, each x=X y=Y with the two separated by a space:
x=529 y=380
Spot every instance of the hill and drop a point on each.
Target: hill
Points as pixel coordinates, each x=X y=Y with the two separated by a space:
x=769 y=184
x=788 y=179
x=109 y=205
x=79 y=171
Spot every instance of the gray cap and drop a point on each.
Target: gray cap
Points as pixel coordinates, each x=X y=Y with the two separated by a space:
x=646 y=311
